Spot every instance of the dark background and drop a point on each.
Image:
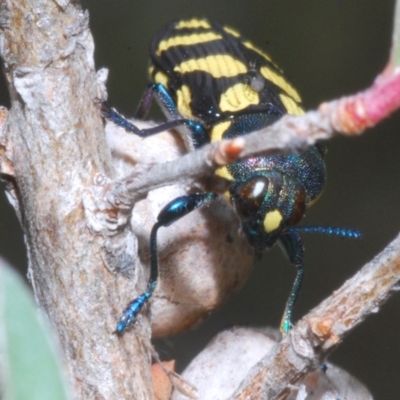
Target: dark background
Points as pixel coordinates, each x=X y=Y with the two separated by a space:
x=327 y=48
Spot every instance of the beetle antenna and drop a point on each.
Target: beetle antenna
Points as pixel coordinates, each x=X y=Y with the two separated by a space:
x=329 y=230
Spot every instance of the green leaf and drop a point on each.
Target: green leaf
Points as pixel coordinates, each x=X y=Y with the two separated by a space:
x=30 y=365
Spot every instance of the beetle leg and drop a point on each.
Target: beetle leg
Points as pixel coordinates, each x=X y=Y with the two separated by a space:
x=197 y=131
x=172 y=212
x=293 y=247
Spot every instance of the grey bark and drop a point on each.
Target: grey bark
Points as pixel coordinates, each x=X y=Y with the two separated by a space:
x=52 y=149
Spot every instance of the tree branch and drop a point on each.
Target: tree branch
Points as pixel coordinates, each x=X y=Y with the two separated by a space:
x=317 y=334
x=52 y=148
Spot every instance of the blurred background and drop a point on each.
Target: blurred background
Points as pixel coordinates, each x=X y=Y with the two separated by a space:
x=327 y=49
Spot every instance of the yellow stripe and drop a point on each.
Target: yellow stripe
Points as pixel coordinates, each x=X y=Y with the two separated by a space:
x=250 y=45
x=227 y=196
x=224 y=173
x=160 y=77
x=196 y=38
x=216 y=134
x=151 y=70
x=291 y=106
x=238 y=97
x=193 y=23
x=231 y=31
x=218 y=130
x=183 y=101
x=217 y=65
x=280 y=81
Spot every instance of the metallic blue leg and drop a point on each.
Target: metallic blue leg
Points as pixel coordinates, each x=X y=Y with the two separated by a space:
x=172 y=212
x=197 y=131
x=293 y=247
x=145 y=103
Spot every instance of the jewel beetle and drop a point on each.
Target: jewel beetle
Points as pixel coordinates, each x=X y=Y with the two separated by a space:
x=213 y=84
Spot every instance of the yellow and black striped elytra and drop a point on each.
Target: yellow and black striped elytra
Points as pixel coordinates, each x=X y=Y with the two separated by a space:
x=213 y=84
x=213 y=74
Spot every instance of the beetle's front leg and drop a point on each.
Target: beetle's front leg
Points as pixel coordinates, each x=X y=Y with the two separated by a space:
x=172 y=212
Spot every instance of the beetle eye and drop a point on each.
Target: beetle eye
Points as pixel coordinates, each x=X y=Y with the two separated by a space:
x=299 y=206
x=248 y=197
